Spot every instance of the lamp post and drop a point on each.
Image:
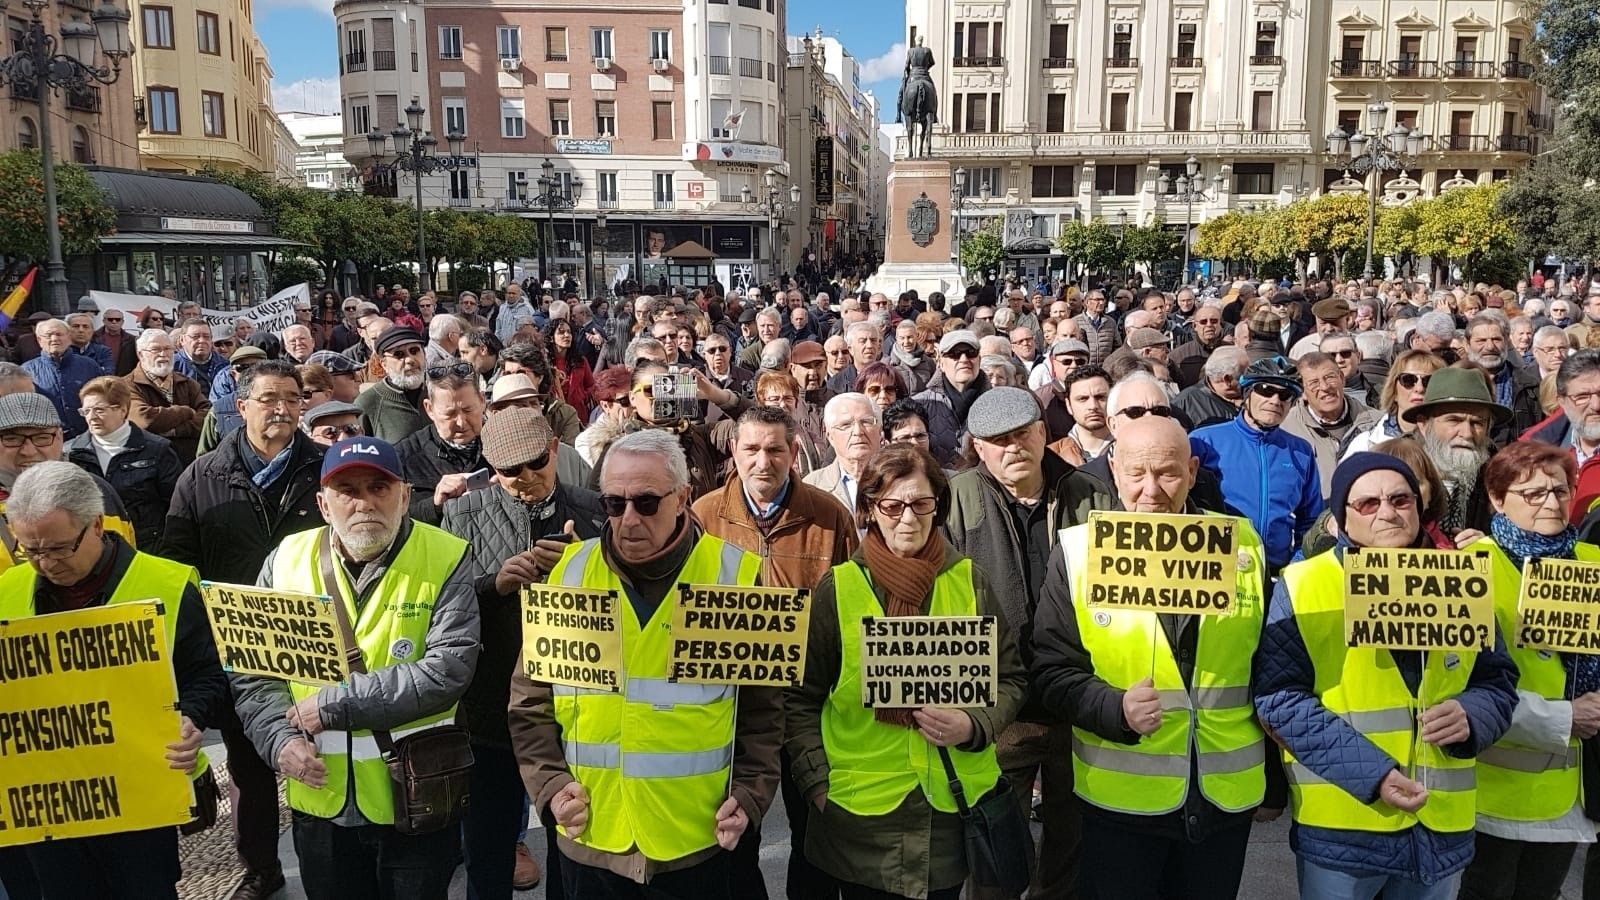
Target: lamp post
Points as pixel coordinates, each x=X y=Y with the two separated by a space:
x=413 y=149
x=1188 y=190
x=1373 y=153
x=550 y=198
x=1122 y=240
x=37 y=66
x=772 y=206
x=963 y=201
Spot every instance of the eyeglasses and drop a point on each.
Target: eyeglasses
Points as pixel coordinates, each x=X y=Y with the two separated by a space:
x=335 y=432
x=1367 y=506
x=349 y=309
x=1341 y=354
x=274 y=402
x=53 y=553
x=865 y=424
x=961 y=352
x=39 y=439
x=537 y=464
x=894 y=509
x=645 y=504
x=1537 y=496
x=460 y=370
x=1583 y=399
x=404 y=352
x=717 y=349
x=110 y=321
x=778 y=400
x=620 y=398
x=1410 y=380
x=1139 y=412
x=914 y=437
x=1274 y=391
x=842 y=351
x=91 y=412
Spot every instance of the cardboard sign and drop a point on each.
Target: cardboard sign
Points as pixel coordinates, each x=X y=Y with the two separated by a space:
x=1182 y=565
x=725 y=634
x=1419 y=599
x=1558 y=607
x=572 y=636
x=908 y=662
x=279 y=634
x=88 y=705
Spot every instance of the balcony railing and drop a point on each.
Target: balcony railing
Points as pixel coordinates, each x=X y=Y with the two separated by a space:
x=661 y=203
x=1119 y=144
x=1356 y=68
x=1413 y=68
x=1465 y=143
x=972 y=62
x=1186 y=62
x=1516 y=68
x=1515 y=143
x=85 y=99
x=1266 y=60
x=460 y=202
x=24 y=90
x=749 y=68
x=1468 y=68
x=383 y=60
x=355 y=62
x=608 y=203
x=1057 y=62
x=1122 y=62
x=721 y=65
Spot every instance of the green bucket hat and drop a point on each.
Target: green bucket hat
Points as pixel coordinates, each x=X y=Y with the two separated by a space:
x=1453 y=386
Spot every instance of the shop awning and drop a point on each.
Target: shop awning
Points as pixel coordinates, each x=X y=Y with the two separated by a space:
x=203 y=240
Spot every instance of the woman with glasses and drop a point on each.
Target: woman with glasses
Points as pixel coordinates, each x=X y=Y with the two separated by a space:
x=882 y=817
x=1405 y=387
x=780 y=390
x=578 y=379
x=141 y=467
x=883 y=384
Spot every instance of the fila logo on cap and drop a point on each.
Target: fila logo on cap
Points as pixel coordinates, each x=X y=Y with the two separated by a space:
x=363 y=449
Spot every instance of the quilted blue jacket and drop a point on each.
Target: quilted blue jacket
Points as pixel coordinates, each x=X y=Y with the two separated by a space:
x=1268 y=477
x=1282 y=679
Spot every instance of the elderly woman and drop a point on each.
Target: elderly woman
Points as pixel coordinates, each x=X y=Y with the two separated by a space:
x=1530 y=812
x=141 y=467
x=780 y=390
x=885 y=821
x=883 y=383
x=1405 y=387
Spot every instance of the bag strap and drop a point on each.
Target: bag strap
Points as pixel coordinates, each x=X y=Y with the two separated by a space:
x=956 y=790
x=354 y=661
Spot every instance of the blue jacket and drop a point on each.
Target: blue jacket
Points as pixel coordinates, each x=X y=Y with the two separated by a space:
x=99 y=354
x=1283 y=680
x=225 y=403
x=183 y=364
x=61 y=383
x=1268 y=477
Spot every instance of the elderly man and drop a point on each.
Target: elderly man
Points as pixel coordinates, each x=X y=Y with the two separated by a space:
x=612 y=834
x=1434 y=332
x=865 y=342
x=1576 y=425
x=1454 y=422
x=344 y=374
x=767 y=324
x=1100 y=331
x=242 y=329
x=1005 y=515
x=59 y=373
x=444 y=340
x=513 y=307
x=1550 y=346
x=439 y=460
x=393 y=406
x=916 y=367
x=1579 y=330
x=298 y=343
x=1326 y=415
x=720 y=368
x=837 y=350
x=1149 y=821
x=14 y=380
x=855 y=433
x=1187 y=359
x=165 y=402
x=1514 y=387
x=1215 y=398
x=467 y=311
x=1561 y=312
x=347 y=333
x=81 y=327
x=418 y=633
x=112 y=336
x=329 y=423
x=1342 y=347
x=952 y=392
x=197 y=357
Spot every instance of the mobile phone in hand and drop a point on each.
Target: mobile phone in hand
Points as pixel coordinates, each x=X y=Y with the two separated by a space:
x=560 y=537
x=480 y=479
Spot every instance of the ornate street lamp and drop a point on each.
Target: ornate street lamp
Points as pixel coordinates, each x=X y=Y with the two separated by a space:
x=1372 y=153
x=414 y=153
x=1188 y=191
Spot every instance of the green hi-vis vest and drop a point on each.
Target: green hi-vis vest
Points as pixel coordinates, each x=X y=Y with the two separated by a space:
x=1363 y=686
x=109 y=521
x=872 y=766
x=656 y=757
x=1518 y=783
x=391 y=629
x=148 y=578
x=1213 y=718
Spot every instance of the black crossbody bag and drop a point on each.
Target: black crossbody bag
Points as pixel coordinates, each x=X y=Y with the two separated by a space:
x=999 y=842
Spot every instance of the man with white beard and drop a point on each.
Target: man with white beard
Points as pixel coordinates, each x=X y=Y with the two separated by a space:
x=1454 y=422
x=166 y=402
x=1514 y=387
x=393 y=406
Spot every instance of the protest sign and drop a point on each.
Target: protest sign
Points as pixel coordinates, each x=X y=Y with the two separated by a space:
x=572 y=636
x=1183 y=565
x=1419 y=599
x=272 y=314
x=280 y=634
x=1558 y=607
x=942 y=661
x=725 y=634
x=88 y=705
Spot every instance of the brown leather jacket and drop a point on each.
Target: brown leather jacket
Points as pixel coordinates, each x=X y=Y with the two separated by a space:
x=178 y=419
x=813 y=533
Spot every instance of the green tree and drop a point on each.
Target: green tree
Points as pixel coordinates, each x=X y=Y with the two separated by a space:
x=1465 y=227
x=506 y=239
x=1330 y=225
x=1396 y=232
x=1093 y=245
x=1146 y=245
x=983 y=251
x=1230 y=237
x=84 y=213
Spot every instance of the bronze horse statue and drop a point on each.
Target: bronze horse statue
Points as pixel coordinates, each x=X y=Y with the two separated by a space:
x=919 y=102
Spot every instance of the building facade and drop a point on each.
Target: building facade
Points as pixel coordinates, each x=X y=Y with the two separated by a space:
x=95 y=125
x=318 y=156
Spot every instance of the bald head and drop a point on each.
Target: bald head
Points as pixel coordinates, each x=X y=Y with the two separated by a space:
x=1152 y=465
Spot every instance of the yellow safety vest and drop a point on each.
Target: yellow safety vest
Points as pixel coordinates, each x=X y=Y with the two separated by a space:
x=1518 y=783
x=1363 y=686
x=1213 y=718
x=656 y=757
x=872 y=766
x=391 y=629
x=115 y=524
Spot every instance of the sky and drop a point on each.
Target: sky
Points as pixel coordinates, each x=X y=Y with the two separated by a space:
x=299 y=36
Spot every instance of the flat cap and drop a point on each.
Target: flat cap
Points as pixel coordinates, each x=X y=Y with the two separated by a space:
x=1265 y=322
x=515 y=436
x=395 y=337
x=1067 y=346
x=335 y=363
x=805 y=353
x=748 y=316
x=331 y=408
x=1141 y=338
x=28 y=410
x=957 y=338
x=247 y=352
x=1001 y=411
x=1331 y=309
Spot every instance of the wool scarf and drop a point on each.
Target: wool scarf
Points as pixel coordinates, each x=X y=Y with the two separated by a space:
x=1520 y=545
x=907 y=582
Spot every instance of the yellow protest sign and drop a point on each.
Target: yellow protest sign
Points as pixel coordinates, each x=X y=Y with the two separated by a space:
x=1178 y=564
x=572 y=636
x=88 y=705
x=280 y=634
x=725 y=634
x=942 y=661
x=1419 y=599
x=1558 y=607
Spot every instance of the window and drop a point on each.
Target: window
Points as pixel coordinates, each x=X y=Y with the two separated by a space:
x=360 y=119
x=386 y=109
x=1460 y=123
x=980 y=176
x=455 y=115
x=1466 y=49
x=1115 y=180
x=750 y=4
x=1513 y=53
x=27 y=135
x=1055 y=113
x=660 y=44
x=605 y=118
x=509 y=40
x=513 y=122
x=158 y=27
x=606 y=190
x=560 y=118
x=163 y=110
x=209 y=34
x=80 y=147
x=1410 y=47
x=1183 y=111
x=1060 y=48
x=661 y=120
x=555 y=44
x=212 y=120
x=517 y=185
x=1351 y=47
x=1253 y=178
x=449 y=41
x=1405 y=118
x=460 y=187
x=1122 y=41
x=600 y=43
x=1053 y=181
x=1266 y=39
x=1348 y=121
x=979 y=112
x=1119 y=113
x=663 y=190
x=978 y=43
x=1261 y=111
x=1508 y=123
x=1186 y=41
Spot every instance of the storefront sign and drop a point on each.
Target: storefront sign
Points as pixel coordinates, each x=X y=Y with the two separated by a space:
x=731 y=151
x=231 y=226
x=823 y=174
x=583 y=147
x=731 y=242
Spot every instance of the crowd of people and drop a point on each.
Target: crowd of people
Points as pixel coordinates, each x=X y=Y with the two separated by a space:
x=422 y=459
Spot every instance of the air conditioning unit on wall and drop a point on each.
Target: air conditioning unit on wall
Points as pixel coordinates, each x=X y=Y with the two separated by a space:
x=602 y=63
x=510 y=63
x=661 y=65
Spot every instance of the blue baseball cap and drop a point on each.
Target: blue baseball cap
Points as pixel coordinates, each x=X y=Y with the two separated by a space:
x=358 y=452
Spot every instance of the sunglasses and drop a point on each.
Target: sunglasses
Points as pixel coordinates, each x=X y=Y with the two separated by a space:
x=1343 y=354
x=460 y=370
x=1273 y=390
x=536 y=464
x=646 y=504
x=1410 y=380
x=335 y=432
x=1367 y=506
x=1139 y=412
x=962 y=352
x=405 y=352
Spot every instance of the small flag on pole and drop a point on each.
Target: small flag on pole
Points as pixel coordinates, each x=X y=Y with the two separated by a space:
x=14 y=300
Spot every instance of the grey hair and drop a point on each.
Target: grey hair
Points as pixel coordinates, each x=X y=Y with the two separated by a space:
x=771 y=315
x=284 y=334
x=81 y=315
x=148 y=337
x=1004 y=318
x=994 y=345
x=630 y=356
x=560 y=309
x=49 y=324
x=1137 y=376
x=1519 y=320
x=861 y=328
x=840 y=401
x=1553 y=331
x=442 y=324
x=1584 y=362
x=366 y=308
x=775 y=355
x=653 y=442
x=1225 y=361
x=1437 y=324
x=1335 y=336
x=44 y=488
x=10 y=374
x=1374 y=345
x=1480 y=320
x=1534 y=306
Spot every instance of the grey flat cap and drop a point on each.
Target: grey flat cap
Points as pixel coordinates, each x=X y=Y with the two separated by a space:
x=1000 y=411
x=1069 y=345
x=28 y=410
x=957 y=338
x=331 y=408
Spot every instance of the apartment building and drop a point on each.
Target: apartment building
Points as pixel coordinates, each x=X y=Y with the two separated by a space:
x=89 y=126
x=831 y=131
x=318 y=157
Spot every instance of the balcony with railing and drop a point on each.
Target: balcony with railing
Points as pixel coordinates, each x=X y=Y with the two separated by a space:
x=749 y=68
x=1266 y=60
x=1117 y=144
x=1057 y=62
x=1185 y=62
x=1413 y=68
x=975 y=62
x=84 y=99
x=1469 y=68
x=460 y=202
x=1356 y=68
x=720 y=65
x=1122 y=62
x=355 y=61
x=664 y=203
x=608 y=203
x=1516 y=68
x=1515 y=143
x=383 y=60
x=1465 y=143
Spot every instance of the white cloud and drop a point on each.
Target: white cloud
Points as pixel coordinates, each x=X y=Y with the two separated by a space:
x=313 y=95
x=882 y=68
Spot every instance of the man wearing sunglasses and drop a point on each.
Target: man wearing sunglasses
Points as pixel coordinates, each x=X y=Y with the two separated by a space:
x=951 y=393
x=1188 y=358
x=329 y=423
x=1268 y=475
x=393 y=406
x=112 y=336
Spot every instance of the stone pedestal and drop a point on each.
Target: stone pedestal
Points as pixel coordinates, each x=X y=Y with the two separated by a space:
x=907 y=264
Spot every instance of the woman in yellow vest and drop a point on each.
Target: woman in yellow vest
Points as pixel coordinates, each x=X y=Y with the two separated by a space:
x=885 y=822
x=1530 y=818
x=1380 y=761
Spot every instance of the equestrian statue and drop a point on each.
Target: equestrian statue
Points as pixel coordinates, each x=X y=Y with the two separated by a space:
x=919 y=101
